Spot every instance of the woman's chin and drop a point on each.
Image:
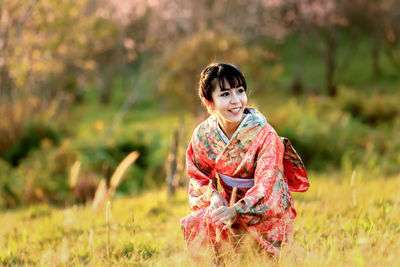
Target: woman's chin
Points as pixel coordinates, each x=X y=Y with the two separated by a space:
x=235 y=117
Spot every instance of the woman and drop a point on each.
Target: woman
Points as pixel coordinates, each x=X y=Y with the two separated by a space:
x=255 y=168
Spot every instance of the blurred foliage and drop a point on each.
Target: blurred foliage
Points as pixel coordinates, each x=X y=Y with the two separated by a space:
x=43 y=175
x=182 y=66
x=374 y=110
x=326 y=133
x=51 y=44
x=31 y=139
x=27 y=121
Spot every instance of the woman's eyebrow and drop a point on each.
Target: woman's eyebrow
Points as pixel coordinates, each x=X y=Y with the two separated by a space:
x=227 y=89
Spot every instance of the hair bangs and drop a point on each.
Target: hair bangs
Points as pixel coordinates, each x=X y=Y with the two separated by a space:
x=234 y=80
x=223 y=74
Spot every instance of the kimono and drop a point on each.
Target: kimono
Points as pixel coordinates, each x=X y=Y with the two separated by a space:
x=254 y=153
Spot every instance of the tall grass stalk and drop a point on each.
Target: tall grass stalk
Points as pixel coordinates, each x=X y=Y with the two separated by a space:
x=100 y=195
x=133 y=233
x=134 y=237
x=74 y=174
x=91 y=243
x=116 y=178
x=108 y=219
x=102 y=192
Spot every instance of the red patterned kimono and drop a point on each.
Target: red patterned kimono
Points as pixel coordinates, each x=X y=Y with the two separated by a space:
x=265 y=211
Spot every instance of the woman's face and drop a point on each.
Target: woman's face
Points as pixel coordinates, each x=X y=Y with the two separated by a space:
x=229 y=104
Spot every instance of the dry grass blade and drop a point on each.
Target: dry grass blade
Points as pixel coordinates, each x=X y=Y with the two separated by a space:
x=233 y=197
x=108 y=220
x=91 y=242
x=353 y=178
x=108 y=213
x=74 y=174
x=116 y=178
x=100 y=195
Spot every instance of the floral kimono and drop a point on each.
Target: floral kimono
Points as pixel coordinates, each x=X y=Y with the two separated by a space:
x=266 y=165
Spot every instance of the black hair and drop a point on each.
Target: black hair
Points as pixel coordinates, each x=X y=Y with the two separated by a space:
x=218 y=72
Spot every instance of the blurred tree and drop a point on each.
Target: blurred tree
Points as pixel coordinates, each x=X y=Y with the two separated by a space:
x=47 y=49
x=49 y=46
x=391 y=23
x=323 y=18
x=368 y=18
x=10 y=25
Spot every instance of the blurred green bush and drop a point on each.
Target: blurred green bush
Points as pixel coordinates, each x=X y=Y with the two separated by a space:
x=30 y=140
x=42 y=176
x=373 y=110
x=328 y=135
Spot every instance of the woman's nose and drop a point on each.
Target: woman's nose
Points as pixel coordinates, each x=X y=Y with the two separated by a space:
x=235 y=98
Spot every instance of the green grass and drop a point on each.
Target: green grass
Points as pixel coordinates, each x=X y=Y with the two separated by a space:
x=337 y=224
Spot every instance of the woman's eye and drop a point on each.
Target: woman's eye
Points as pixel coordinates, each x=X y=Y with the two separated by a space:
x=225 y=94
x=241 y=90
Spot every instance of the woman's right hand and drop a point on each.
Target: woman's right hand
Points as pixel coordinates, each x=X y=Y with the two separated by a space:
x=217 y=201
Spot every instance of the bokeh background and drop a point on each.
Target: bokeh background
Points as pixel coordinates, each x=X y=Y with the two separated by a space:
x=84 y=83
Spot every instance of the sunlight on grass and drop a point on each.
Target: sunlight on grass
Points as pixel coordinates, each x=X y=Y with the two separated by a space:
x=330 y=229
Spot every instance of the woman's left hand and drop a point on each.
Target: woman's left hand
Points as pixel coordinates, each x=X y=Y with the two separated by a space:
x=224 y=215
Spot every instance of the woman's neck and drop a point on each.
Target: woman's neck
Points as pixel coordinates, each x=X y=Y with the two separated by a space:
x=227 y=127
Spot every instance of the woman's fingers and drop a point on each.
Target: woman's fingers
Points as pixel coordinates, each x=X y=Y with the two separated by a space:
x=221 y=215
x=218 y=211
x=217 y=201
x=218 y=214
x=216 y=205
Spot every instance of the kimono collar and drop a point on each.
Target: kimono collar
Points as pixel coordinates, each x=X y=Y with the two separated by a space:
x=223 y=136
x=252 y=119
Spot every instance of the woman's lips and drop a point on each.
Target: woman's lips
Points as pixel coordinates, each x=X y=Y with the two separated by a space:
x=235 y=110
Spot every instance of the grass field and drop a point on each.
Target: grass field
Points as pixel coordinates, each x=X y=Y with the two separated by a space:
x=340 y=222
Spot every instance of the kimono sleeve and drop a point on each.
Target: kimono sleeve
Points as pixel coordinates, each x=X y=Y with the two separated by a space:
x=270 y=196
x=202 y=183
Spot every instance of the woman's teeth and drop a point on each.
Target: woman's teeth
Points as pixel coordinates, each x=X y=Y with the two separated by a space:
x=235 y=109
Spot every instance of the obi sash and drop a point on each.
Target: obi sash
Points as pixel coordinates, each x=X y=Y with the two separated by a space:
x=236 y=182
x=294 y=172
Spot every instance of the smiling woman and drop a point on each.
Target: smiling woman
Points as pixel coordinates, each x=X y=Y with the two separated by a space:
x=254 y=167
x=228 y=105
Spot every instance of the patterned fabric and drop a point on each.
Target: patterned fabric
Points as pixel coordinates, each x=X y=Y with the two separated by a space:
x=266 y=210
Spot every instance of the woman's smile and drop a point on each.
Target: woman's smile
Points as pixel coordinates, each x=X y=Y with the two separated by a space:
x=235 y=110
x=228 y=105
